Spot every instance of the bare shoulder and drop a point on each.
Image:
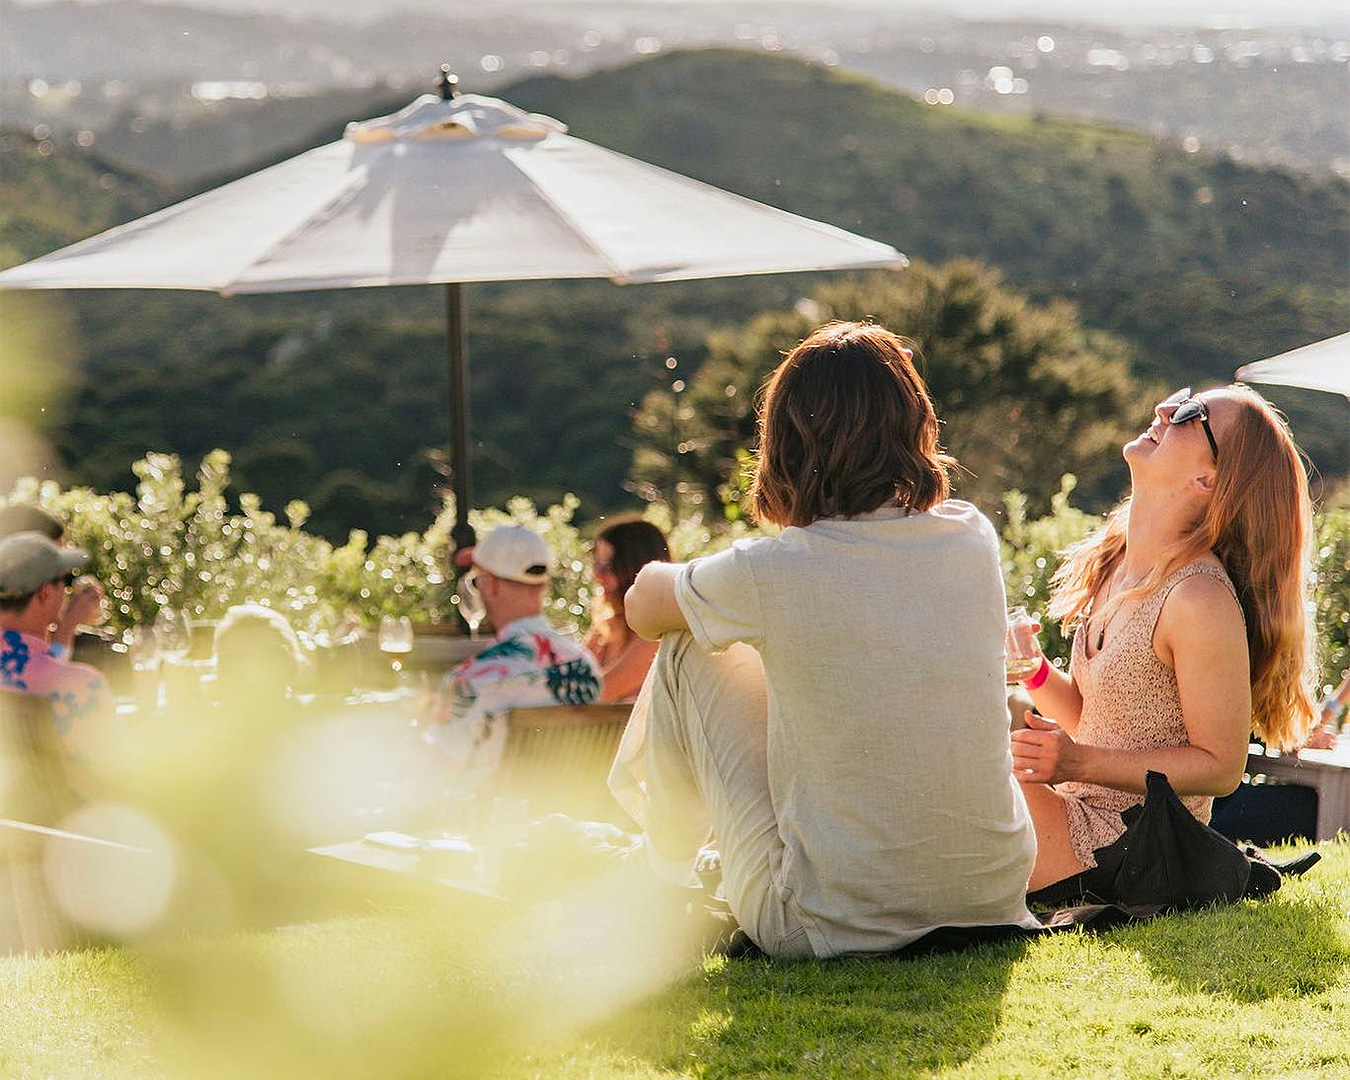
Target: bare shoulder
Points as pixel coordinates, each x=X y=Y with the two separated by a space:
x=1200 y=608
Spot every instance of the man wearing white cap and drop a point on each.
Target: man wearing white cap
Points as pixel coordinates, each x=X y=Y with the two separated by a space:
x=529 y=664
x=35 y=575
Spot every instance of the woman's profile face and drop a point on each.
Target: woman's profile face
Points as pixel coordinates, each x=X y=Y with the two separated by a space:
x=603 y=567
x=1169 y=451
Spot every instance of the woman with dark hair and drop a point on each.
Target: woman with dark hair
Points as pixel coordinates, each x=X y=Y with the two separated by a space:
x=828 y=703
x=623 y=547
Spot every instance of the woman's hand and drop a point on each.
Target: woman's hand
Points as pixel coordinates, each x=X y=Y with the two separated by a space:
x=1044 y=753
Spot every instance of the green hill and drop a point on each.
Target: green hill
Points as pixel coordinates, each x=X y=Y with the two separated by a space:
x=1172 y=249
x=1199 y=263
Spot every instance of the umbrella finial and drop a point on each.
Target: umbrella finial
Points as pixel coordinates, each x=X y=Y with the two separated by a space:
x=449 y=83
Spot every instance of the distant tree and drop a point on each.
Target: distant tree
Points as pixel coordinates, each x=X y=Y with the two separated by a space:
x=1026 y=392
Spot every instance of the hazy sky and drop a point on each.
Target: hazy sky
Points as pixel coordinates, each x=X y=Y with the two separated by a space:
x=1125 y=12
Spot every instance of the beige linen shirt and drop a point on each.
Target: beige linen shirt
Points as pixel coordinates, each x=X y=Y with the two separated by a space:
x=890 y=771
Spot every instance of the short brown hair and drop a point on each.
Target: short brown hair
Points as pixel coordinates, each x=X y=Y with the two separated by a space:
x=846 y=426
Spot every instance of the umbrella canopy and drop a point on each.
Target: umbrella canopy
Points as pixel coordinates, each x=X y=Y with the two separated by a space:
x=461 y=190
x=1324 y=365
x=450 y=190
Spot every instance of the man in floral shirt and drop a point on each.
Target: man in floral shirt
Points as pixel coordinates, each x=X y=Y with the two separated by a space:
x=35 y=575
x=528 y=665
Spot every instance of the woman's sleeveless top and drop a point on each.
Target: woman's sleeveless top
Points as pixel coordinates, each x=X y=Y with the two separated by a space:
x=1130 y=702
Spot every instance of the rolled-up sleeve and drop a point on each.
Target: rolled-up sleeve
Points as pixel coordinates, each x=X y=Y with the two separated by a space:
x=719 y=599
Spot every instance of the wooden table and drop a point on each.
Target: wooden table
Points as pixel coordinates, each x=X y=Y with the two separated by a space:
x=1328 y=771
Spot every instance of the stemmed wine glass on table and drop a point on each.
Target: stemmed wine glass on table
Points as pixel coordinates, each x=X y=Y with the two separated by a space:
x=471 y=606
x=173 y=634
x=143 y=655
x=396 y=640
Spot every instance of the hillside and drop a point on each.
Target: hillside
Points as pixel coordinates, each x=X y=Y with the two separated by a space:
x=1198 y=262
x=1117 y=221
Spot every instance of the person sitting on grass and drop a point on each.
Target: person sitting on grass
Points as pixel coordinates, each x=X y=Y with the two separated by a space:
x=829 y=703
x=530 y=664
x=35 y=580
x=623 y=547
x=1190 y=629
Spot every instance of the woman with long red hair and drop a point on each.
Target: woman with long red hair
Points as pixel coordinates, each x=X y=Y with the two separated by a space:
x=1190 y=628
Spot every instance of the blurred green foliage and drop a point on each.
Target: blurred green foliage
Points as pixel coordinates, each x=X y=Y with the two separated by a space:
x=1331 y=593
x=1030 y=548
x=170 y=545
x=1024 y=390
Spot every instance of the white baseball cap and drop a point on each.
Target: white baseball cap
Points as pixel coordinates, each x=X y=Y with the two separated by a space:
x=515 y=553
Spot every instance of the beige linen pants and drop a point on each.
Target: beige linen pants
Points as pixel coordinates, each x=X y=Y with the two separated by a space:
x=705 y=764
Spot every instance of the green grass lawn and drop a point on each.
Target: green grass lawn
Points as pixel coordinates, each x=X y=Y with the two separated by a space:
x=583 y=990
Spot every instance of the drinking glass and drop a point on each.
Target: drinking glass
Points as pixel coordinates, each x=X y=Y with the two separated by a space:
x=396 y=639
x=1021 y=650
x=471 y=606
x=415 y=696
x=144 y=657
x=174 y=634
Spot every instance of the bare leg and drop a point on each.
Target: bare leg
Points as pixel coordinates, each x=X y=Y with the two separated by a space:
x=1055 y=857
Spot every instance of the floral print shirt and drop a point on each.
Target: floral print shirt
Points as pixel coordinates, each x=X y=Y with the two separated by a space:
x=530 y=664
x=79 y=693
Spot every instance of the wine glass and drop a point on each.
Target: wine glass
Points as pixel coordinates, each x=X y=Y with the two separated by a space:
x=173 y=633
x=1022 y=652
x=143 y=655
x=471 y=606
x=396 y=639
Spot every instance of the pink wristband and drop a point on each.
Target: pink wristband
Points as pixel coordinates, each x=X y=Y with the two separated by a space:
x=1042 y=673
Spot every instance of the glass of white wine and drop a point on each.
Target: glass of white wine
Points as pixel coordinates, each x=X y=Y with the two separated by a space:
x=396 y=639
x=471 y=606
x=1021 y=650
x=143 y=654
x=173 y=634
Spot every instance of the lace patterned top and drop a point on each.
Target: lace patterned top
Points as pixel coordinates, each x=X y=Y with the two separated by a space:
x=1130 y=702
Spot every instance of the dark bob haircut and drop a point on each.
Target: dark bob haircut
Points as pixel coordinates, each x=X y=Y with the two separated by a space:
x=845 y=427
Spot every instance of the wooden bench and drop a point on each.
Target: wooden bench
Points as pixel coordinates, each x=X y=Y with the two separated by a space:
x=1328 y=771
x=559 y=757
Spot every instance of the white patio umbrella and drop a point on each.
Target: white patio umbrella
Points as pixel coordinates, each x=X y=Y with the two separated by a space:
x=1324 y=365
x=450 y=190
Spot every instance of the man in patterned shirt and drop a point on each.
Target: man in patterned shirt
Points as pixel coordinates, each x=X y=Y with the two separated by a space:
x=529 y=664
x=35 y=576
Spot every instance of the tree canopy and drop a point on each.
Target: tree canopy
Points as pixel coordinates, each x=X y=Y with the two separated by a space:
x=1025 y=391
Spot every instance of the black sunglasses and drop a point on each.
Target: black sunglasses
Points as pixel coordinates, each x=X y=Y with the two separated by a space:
x=1185 y=409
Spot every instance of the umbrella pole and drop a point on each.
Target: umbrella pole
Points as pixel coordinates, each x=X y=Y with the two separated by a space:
x=462 y=534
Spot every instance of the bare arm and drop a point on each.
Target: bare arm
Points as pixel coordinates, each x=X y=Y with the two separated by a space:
x=1200 y=634
x=1323 y=736
x=649 y=604
x=624 y=675
x=1058 y=696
